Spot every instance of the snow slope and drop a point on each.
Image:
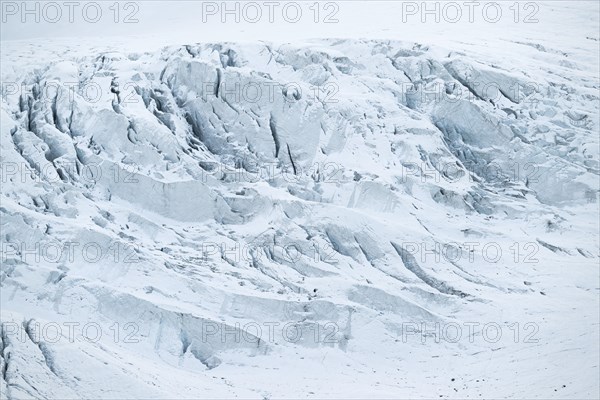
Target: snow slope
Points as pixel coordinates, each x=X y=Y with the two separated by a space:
x=328 y=218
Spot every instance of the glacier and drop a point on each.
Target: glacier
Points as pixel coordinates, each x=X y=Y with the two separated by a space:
x=328 y=218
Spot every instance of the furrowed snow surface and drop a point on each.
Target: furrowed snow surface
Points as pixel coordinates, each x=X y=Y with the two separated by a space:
x=333 y=218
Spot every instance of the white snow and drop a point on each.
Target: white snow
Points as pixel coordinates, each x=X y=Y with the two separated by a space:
x=362 y=209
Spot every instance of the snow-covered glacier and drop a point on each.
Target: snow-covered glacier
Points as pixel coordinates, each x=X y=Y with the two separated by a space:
x=327 y=218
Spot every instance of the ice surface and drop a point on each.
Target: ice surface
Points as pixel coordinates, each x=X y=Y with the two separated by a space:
x=310 y=219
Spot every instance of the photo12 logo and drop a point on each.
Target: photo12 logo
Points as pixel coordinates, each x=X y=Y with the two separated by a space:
x=54 y=252
x=469 y=11
x=487 y=252
x=53 y=12
x=69 y=331
x=455 y=332
x=270 y=12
